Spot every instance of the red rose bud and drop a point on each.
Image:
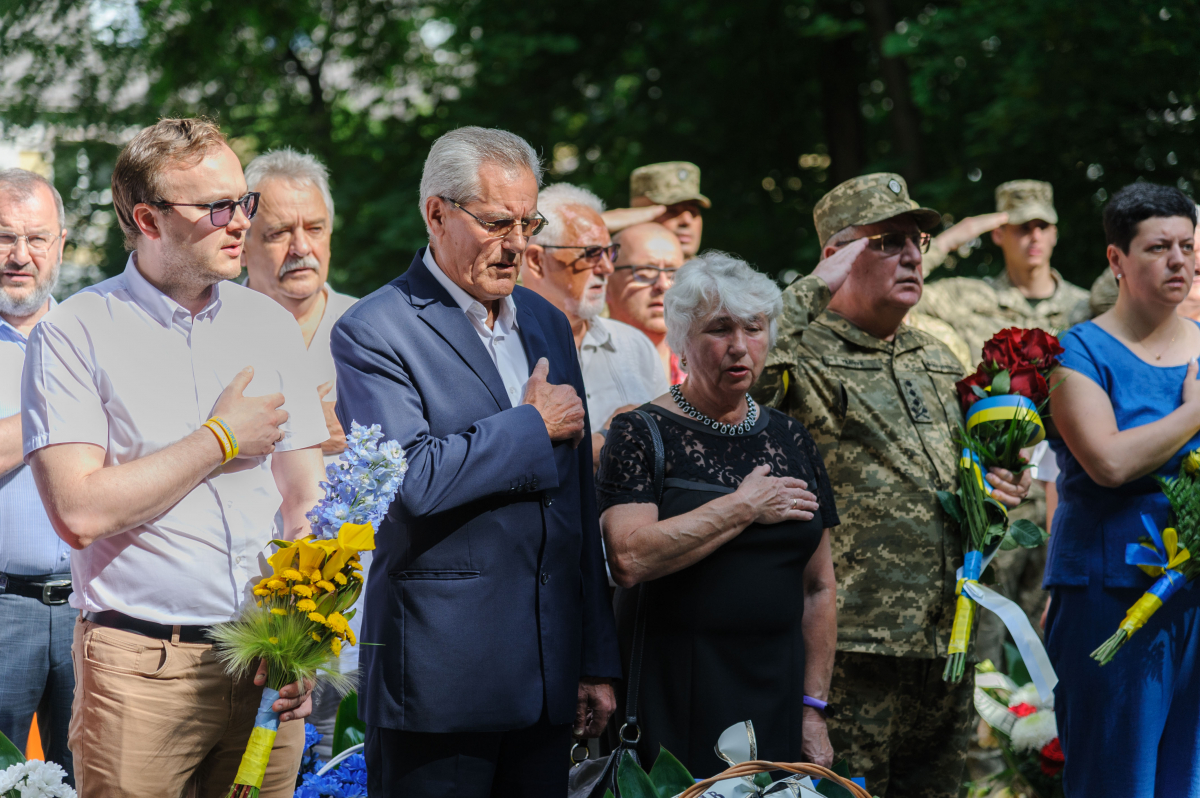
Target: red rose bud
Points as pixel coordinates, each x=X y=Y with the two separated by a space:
x=1003 y=350
x=1029 y=382
x=1051 y=759
x=967 y=397
x=1040 y=349
x=1022 y=710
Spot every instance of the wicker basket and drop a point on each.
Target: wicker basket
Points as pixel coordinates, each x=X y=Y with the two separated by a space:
x=750 y=768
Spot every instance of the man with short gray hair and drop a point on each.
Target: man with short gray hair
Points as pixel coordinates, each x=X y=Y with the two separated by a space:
x=36 y=623
x=569 y=265
x=490 y=637
x=286 y=257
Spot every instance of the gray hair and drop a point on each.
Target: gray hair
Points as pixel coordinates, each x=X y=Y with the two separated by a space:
x=452 y=167
x=551 y=202
x=294 y=167
x=716 y=281
x=22 y=184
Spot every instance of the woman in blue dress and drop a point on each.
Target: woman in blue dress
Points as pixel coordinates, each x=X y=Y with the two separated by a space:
x=1127 y=404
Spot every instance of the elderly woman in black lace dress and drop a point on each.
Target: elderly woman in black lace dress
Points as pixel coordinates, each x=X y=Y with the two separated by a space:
x=741 y=622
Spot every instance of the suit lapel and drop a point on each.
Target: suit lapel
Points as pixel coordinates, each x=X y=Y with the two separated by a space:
x=439 y=310
x=532 y=337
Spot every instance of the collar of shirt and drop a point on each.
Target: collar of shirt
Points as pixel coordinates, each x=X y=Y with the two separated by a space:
x=598 y=336
x=903 y=341
x=1009 y=296
x=159 y=306
x=12 y=334
x=506 y=320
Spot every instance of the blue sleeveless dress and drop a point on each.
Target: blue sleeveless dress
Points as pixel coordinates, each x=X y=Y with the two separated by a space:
x=1131 y=727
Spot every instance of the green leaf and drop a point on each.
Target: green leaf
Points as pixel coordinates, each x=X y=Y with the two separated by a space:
x=761 y=781
x=348 y=730
x=982 y=394
x=1008 y=543
x=668 y=775
x=9 y=754
x=951 y=504
x=632 y=781
x=1026 y=533
x=1001 y=384
x=994 y=532
x=829 y=789
x=1016 y=666
x=608 y=794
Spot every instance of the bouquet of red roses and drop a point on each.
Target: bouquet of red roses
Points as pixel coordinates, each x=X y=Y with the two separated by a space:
x=1003 y=402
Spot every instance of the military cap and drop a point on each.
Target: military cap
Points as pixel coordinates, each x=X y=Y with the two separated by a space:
x=1026 y=200
x=667 y=183
x=866 y=200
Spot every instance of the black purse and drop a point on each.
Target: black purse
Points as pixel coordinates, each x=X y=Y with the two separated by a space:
x=592 y=777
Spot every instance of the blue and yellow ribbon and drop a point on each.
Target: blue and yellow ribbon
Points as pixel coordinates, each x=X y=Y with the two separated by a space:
x=1011 y=407
x=964 y=608
x=262 y=737
x=1160 y=559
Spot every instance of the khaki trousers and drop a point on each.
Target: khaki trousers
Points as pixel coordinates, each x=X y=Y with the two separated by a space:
x=161 y=719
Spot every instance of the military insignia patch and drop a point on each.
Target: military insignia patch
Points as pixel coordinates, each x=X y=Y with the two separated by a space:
x=683 y=174
x=894 y=185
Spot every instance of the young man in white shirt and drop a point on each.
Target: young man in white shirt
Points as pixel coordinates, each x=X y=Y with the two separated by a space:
x=124 y=389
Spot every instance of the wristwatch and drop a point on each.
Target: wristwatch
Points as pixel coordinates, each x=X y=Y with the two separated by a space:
x=824 y=707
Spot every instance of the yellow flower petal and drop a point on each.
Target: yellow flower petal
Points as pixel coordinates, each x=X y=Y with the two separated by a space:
x=292 y=574
x=306 y=605
x=326 y=586
x=273 y=641
x=340 y=578
x=258 y=591
x=350 y=636
x=315 y=636
x=277 y=584
x=283 y=559
x=316 y=617
x=359 y=537
x=278 y=611
x=336 y=646
x=302 y=590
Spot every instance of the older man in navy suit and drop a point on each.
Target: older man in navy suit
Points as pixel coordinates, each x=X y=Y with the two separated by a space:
x=489 y=636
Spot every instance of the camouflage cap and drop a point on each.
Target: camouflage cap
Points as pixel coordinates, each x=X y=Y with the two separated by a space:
x=1026 y=200
x=866 y=200
x=667 y=183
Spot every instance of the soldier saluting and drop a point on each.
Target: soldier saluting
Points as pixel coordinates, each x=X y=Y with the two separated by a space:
x=878 y=397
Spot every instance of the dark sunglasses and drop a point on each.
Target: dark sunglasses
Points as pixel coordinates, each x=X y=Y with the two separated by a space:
x=221 y=212
x=592 y=253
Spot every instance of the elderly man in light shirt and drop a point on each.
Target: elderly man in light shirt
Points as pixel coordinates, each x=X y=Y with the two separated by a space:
x=569 y=265
x=35 y=573
x=127 y=389
x=287 y=258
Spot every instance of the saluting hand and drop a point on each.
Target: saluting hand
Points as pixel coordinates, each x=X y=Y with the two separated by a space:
x=836 y=268
x=255 y=420
x=560 y=407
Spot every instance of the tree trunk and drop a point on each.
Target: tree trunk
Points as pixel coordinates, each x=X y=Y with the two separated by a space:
x=839 y=106
x=906 y=126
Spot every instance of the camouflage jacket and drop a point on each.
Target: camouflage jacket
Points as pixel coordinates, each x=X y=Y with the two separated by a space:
x=978 y=309
x=883 y=415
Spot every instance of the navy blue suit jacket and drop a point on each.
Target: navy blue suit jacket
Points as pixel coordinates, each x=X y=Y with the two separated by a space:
x=487 y=596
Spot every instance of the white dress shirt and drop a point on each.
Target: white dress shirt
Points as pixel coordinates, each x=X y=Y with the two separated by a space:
x=502 y=341
x=620 y=367
x=122 y=366
x=28 y=543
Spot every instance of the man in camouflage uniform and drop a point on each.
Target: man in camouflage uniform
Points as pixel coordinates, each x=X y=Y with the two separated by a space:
x=879 y=399
x=1029 y=293
x=667 y=193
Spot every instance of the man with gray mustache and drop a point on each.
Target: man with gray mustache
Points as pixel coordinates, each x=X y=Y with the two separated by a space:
x=286 y=256
x=568 y=264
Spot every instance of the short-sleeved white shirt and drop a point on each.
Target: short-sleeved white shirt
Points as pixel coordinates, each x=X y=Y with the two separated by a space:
x=122 y=366
x=620 y=367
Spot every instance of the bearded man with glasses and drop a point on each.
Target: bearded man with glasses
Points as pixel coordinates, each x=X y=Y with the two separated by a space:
x=878 y=397
x=169 y=418
x=569 y=264
x=489 y=635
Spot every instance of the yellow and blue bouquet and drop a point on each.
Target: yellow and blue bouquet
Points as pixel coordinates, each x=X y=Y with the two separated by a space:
x=300 y=619
x=1166 y=555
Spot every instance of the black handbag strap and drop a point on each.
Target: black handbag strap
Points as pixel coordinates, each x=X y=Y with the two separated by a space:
x=633 y=682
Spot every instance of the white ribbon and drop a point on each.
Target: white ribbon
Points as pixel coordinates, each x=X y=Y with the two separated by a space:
x=995 y=713
x=1028 y=643
x=736 y=745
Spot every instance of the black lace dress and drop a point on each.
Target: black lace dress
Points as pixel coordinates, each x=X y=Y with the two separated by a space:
x=723 y=636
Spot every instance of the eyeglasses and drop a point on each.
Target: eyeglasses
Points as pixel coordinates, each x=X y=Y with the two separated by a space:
x=893 y=243
x=500 y=228
x=221 y=212
x=592 y=253
x=648 y=275
x=38 y=243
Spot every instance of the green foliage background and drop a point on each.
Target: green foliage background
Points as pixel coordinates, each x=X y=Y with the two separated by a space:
x=957 y=96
